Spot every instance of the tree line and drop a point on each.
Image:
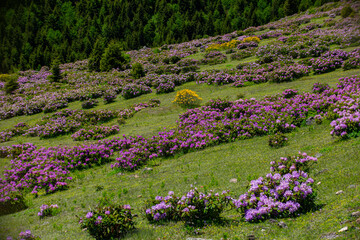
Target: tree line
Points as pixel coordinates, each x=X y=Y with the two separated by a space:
x=33 y=33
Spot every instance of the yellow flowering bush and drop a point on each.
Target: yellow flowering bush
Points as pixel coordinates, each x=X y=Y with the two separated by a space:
x=228 y=45
x=251 y=39
x=187 y=99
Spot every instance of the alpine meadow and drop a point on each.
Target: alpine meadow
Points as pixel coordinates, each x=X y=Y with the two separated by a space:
x=170 y=119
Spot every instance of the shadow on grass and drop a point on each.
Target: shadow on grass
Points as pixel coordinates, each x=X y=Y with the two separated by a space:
x=10 y=207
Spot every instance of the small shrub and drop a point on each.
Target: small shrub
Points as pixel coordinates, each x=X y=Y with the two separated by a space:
x=174 y=59
x=165 y=87
x=285 y=191
x=137 y=70
x=108 y=222
x=16 y=202
x=278 y=140
x=219 y=103
x=109 y=97
x=352 y=63
x=48 y=211
x=194 y=208
x=240 y=96
x=121 y=121
x=89 y=103
x=11 y=85
x=187 y=99
x=240 y=55
x=346 y=11
x=27 y=235
x=132 y=90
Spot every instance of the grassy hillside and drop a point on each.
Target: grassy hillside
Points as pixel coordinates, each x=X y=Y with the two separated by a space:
x=322 y=35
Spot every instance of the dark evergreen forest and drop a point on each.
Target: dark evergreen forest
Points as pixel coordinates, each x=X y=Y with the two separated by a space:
x=35 y=32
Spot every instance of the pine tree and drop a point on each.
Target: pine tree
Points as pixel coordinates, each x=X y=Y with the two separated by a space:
x=55 y=70
x=113 y=57
x=11 y=85
x=95 y=56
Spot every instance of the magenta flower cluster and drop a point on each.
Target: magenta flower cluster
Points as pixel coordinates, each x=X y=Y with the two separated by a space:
x=108 y=222
x=284 y=191
x=194 y=207
x=48 y=211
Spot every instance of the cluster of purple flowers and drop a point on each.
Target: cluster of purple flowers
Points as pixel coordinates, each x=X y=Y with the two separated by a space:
x=346 y=126
x=320 y=87
x=17 y=130
x=324 y=65
x=241 y=54
x=108 y=222
x=246 y=45
x=89 y=103
x=46 y=210
x=95 y=133
x=165 y=87
x=27 y=235
x=284 y=191
x=277 y=140
x=67 y=121
x=48 y=168
x=214 y=57
x=194 y=207
x=109 y=96
x=289 y=93
x=132 y=90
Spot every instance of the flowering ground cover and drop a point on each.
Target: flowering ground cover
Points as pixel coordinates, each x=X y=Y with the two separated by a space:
x=295 y=81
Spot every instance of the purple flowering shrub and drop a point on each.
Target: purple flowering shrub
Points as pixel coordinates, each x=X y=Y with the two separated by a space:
x=89 y=103
x=134 y=90
x=15 y=150
x=281 y=193
x=108 y=222
x=52 y=106
x=17 y=130
x=245 y=45
x=214 y=57
x=278 y=140
x=320 y=87
x=220 y=104
x=194 y=208
x=241 y=55
x=5 y=136
x=165 y=87
x=27 y=235
x=47 y=168
x=109 y=97
x=324 y=64
x=48 y=211
x=95 y=133
x=289 y=93
x=67 y=121
x=351 y=63
x=288 y=73
x=348 y=125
